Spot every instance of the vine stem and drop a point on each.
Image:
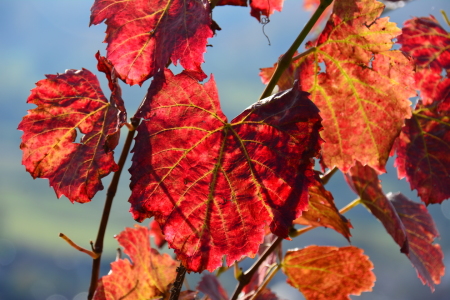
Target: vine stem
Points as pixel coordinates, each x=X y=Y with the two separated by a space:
x=176 y=287
x=112 y=189
x=285 y=60
x=245 y=278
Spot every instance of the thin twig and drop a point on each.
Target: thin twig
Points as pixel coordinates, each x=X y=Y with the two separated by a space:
x=285 y=60
x=245 y=278
x=266 y=281
x=71 y=243
x=98 y=246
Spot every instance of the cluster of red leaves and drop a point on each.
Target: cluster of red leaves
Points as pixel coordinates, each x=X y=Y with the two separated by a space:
x=213 y=186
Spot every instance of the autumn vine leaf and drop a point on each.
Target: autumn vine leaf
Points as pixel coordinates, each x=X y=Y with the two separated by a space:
x=214 y=185
x=143 y=35
x=259 y=8
x=365 y=183
x=323 y=212
x=66 y=103
x=425 y=256
x=424 y=142
x=363 y=91
x=323 y=272
x=429 y=45
x=148 y=276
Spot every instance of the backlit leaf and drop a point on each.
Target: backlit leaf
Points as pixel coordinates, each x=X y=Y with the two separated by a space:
x=322 y=272
x=365 y=183
x=359 y=84
x=214 y=185
x=211 y=287
x=322 y=211
x=287 y=78
x=66 y=103
x=424 y=142
x=425 y=256
x=149 y=275
x=143 y=35
x=429 y=45
x=422 y=151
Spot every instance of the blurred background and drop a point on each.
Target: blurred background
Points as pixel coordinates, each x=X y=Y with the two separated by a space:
x=49 y=36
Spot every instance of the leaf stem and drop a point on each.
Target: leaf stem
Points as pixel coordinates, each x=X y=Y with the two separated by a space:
x=245 y=278
x=285 y=60
x=445 y=17
x=71 y=243
x=112 y=189
x=327 y=176
x=266 y=281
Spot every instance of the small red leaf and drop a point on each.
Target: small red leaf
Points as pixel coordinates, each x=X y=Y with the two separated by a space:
x=67 y=102
x=149 y=276
x=429 y=45
x=365 y=183
x=425 y=256
x=156 y=233
x=422 y=151
x=210 y=286
x=322 y=272
x=322 y=211
x=287 y=78
x=258 y=7
x=143 y=35
x=214 y=185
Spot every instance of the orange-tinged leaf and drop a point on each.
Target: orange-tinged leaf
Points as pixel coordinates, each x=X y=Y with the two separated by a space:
x=422 y=151
x=143 y=35
x=365 y=183
x=148 y=276
x=425 y=256
x=363 y=91
x=214 y=185
x=287 y=78
x=323 y=272
x=322 y=211
x=66 y=103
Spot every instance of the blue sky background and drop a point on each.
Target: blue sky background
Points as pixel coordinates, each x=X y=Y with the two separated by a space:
x=50 y=36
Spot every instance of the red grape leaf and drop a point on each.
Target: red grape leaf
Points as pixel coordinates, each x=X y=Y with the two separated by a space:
x=156 y=233
x=214 y=185
x=422 y=151
x=363 y=91
x=258 y=7
x=322 y=272
x=424 y=141
x=429 y=45
x=365 y=183
x=210 y=286
x=149 y=276
x=425 y=256
x=67 y=102
x=143 y=35
x=322 y=211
